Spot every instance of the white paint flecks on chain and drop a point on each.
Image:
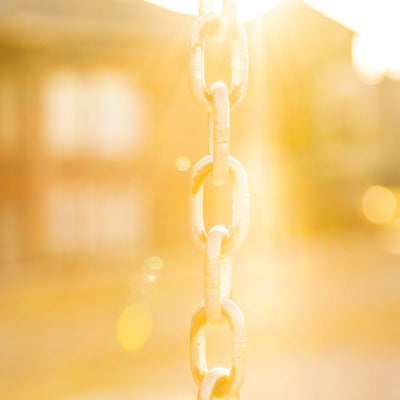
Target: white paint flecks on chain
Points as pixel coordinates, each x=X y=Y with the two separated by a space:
x=213 y=270
x=220 y=133
x=221 y=241
x=240 y=207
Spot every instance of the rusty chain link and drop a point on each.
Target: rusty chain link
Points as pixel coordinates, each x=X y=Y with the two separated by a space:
x=221 y=241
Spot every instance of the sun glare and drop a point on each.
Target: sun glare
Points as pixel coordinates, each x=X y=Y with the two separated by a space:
x=374 y=23
x=376 y=55
x=247 y=9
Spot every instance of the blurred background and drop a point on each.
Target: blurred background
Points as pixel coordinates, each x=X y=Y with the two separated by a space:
x=98 y=133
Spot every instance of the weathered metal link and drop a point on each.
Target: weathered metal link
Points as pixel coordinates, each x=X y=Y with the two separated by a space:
x=231 y=312
x=220 y=133
x=215 y=377
x=226 y=271
x=221 y=240
x=213 y=383
x=213 y=273
x=240 y=207
x=206 y=25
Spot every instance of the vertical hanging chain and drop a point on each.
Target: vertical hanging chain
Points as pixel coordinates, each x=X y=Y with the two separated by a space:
x=221 y=241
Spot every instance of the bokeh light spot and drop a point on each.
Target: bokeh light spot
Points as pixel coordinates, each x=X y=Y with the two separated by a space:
x=379 y=204
x=155 y=262
x=183 y=163
x=134 y=326
x=143 y=286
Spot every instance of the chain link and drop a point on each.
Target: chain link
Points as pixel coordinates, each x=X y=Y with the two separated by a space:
x=207 y=25
x=220 y=133
x=231 y=312
x=240 y=207
x=221 y=241
x=216 y=377
x=213 y=270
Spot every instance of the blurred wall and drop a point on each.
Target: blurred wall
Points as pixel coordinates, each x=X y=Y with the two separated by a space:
x=98 y=131
x=97 y=115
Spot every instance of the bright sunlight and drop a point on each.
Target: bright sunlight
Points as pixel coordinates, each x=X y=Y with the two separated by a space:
x=375 y=24
x=247 y=10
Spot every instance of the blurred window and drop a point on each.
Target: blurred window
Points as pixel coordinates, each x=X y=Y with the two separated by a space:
x=8 y=116
x=82 y=217
x=9 y=234
x=99 y=114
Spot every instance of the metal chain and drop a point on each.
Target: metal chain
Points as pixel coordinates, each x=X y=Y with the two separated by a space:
x=221 y=241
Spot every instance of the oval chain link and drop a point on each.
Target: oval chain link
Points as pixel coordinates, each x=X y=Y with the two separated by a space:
x=209 y=24
x=231 y=312
x=240 y=207
x=221 y=241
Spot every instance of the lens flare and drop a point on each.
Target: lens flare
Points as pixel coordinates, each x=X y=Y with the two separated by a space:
x=155 y=262
x=134 y=326
x=379 y=204
x=183 y=163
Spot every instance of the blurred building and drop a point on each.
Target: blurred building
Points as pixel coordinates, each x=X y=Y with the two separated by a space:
x=323 y=120
x=80 y=87
x=95 y=113
x=95 y=110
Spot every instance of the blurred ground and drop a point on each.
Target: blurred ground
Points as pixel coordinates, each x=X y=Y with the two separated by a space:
x=323 y=322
